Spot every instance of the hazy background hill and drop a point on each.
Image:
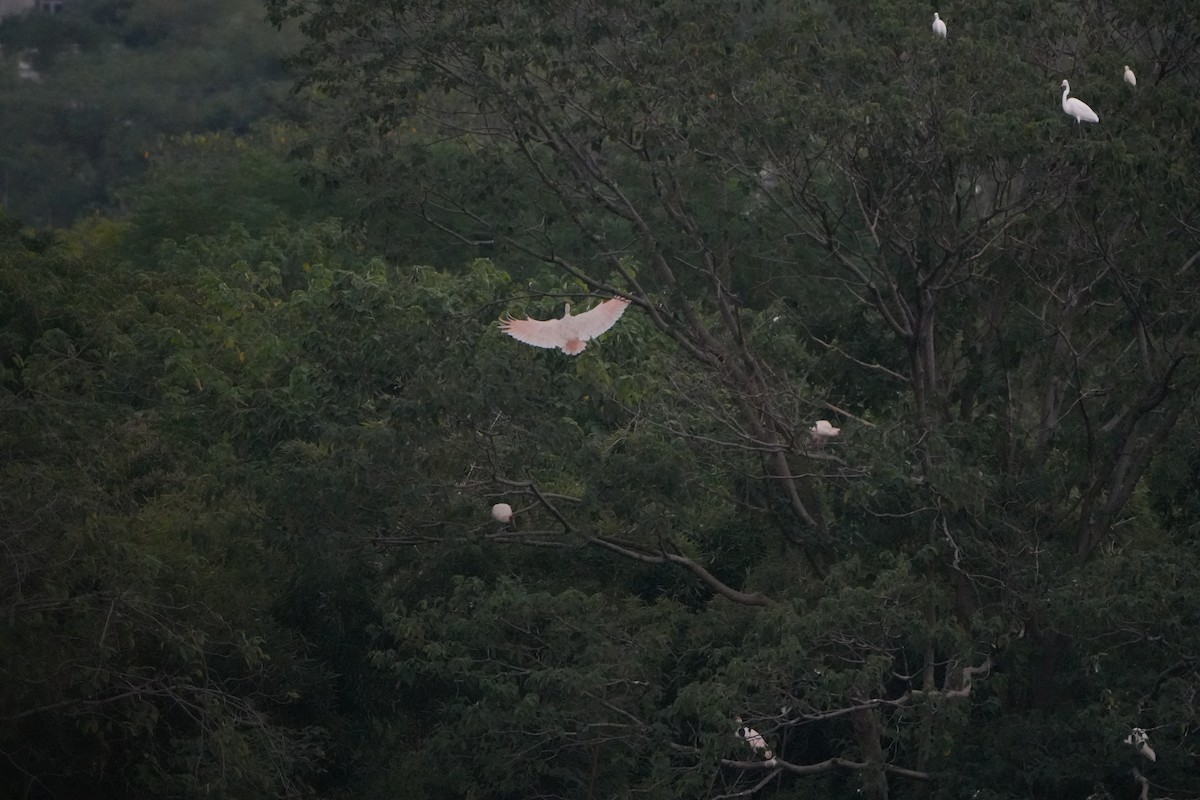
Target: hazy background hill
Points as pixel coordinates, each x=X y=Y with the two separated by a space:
x=113 y=80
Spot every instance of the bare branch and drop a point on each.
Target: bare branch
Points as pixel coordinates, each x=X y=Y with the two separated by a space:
x=823 y=766
x=636 y=552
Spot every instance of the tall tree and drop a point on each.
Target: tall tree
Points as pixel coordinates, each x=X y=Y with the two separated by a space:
x=980 y=586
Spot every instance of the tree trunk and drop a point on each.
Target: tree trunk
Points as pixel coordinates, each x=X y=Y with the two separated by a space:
x=865 y=722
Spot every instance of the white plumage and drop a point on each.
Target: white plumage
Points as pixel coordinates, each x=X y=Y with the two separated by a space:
x=502 y=512
x=768 y=177
x=939 y=27
x=823 y=430
x=1130 y=78
x=1074 y=107
x=1141 y=743
x=569 y=334
x=754 y=739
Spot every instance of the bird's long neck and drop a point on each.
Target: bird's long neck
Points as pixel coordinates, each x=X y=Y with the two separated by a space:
x=567 y=312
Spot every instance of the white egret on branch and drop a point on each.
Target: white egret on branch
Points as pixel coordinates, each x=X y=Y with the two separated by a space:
x=1141 y=743
x=1076 y=108
x=1130 y=78
x=768 y=177
x=823 y=431
x=502 y=512
x=569 y=334
x=754 y=739
x=939 y=27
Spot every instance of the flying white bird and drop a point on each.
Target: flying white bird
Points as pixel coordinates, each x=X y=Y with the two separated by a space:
x=569 y=334
x=502 y=512
x=754 y=739
x=823 y=431
x=1076 y=108
x=939 y=27
x=1130 y=78
x=1141 y=742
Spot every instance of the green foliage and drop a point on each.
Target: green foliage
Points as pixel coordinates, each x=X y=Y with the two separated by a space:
x=249 y=452
x=134 y=587
x=200 y=185
x=115 y=78
x=558 y=676
x=830 y=212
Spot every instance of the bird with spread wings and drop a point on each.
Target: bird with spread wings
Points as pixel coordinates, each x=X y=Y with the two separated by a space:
x=569 y=334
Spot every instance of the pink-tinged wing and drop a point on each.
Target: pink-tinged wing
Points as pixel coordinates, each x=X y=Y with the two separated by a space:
x=537 y=332
x=824 y=428
x=591 y=324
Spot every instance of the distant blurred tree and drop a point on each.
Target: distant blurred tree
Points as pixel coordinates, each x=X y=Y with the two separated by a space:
x=200 y=185
x=115 y=79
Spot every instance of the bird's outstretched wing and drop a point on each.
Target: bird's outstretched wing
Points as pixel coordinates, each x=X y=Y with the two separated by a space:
x=537 y=332
x=569 y=333
x=591 y=324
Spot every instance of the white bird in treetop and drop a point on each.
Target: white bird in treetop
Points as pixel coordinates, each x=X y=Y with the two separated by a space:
x=569 y=334
x=823 y=430
x=1076 y=108
x=939 y=27
x=754 y=739
x=1141 y=743
x=502 y=512
x=1130 y=78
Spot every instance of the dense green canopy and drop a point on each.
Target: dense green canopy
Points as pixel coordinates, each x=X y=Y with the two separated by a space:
x=252 y=434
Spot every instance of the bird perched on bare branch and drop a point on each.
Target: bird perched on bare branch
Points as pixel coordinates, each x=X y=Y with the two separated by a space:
x=754 y=739
x=502 y=512
x=1141 y=743
x=823 y=431
x=569 y=334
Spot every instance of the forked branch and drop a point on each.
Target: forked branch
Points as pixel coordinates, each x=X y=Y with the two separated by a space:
x=636 y=552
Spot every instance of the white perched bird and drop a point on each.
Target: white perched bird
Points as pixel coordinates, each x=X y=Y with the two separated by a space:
x=939 y=27
x=1076 y=108
x=1141 y=743
x=569 y=334
x=754 y=739
x=502 y=512
x=1130 y=78
x=823 y=431
x=768 y=177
